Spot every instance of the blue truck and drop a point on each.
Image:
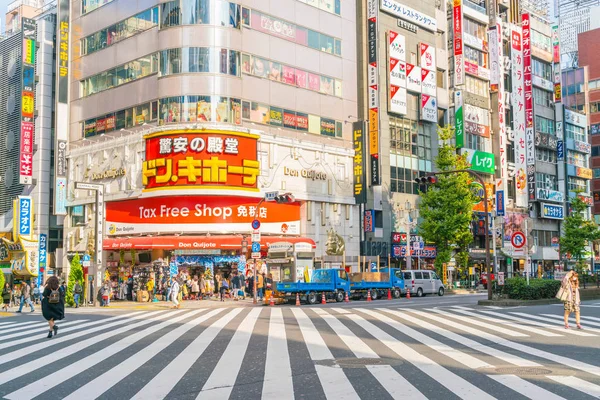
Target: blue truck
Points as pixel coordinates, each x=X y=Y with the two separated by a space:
x=378 y=283
x=334 y=283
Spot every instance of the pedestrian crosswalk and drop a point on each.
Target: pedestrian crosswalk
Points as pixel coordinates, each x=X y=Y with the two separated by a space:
x=303 y=352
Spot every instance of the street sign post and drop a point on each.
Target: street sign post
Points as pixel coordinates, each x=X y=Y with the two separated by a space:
x=256 y=247
x=255 y=224
x=270 y=196
x=256 y=236
x=256 y=256
x=518 y=240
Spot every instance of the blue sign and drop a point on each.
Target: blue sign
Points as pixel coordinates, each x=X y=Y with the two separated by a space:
x=42 y=257
x=173 y=270
x=255 y=224
x=25 y=216
x=373 y=266
x=255 y=247
x=500 y=206
x=552 y=211
x=86 y=257
x=560 y=150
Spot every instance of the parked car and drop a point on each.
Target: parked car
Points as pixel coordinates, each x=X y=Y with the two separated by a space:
x=423 y=282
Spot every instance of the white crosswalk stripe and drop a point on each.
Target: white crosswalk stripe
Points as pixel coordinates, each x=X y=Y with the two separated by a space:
x=407 y=352
x=535 y=323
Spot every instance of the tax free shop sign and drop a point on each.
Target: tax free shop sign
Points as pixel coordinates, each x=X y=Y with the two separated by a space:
x=191 y=214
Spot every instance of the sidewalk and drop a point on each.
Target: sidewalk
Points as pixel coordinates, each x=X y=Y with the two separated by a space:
x=164 y=305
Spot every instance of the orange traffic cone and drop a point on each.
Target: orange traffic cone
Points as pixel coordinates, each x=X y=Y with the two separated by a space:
x=369 y=296
x=271 y=301
x=408 y=293
x=389 y=294
x=323 y=301
x=346 y=299
x=297 y=300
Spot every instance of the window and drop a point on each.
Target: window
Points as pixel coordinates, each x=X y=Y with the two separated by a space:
x=120 y=31
x=331 y=6
x=577 y=184
x=122 y=119
x=544 y=125
x=477 y=142
x=275 y=71
x=475 y=56
x=134 y=70
x=90 y=5
x=546 y=181
x=545 y=155
x=293 y=33
x=577 y=159
x=477 y=86
x=542 y=98
x=541 y=69
x=475 y=28
x=594 y=107
x=596 y=172
x=595 y=151
x=575 y=132
x=540 y=40
x=595 y=84
x=544 y=238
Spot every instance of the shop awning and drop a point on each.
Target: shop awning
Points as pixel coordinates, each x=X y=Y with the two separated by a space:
x=226 y=242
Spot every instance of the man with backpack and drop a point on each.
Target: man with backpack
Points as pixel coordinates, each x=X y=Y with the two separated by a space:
x=77 y=290
x=26 y=297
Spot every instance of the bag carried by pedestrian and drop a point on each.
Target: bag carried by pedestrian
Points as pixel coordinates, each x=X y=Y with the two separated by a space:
x=563 y=294
x=54 y=297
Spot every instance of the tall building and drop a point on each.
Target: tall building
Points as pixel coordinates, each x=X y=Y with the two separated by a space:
x=188 y=112
x=403 y=96
x=30 y=236
x=575 y=17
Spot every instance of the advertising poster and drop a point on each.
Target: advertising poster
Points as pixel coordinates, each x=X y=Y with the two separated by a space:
x=519 y=118
x=427 y=56
x=358 y=140
x=413 y=78
x=397 y=73
x=457 y=24
x=429 y=108
x=373 y=90
x=398 y=100
x=428 y=82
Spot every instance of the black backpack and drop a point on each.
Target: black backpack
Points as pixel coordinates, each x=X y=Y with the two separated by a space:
x=54 y=297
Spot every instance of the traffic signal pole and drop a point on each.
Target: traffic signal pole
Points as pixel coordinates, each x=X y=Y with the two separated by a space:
x=488 y=264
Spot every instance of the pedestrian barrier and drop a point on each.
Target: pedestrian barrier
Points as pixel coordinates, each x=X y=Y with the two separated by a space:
x=272 y=301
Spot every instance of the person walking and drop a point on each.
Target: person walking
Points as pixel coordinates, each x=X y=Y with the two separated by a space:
x=570 y=284
x=53 y=304
x=260 y=284
x=36 y=293
x=26 y=297
x=223 y=288
x=195 y=288
x=235 y=285
x=150 y=287
x=6 y=294
x=175 y=293
x=77 y=290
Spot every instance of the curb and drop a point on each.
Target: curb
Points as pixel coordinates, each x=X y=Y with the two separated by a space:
x=515 y=303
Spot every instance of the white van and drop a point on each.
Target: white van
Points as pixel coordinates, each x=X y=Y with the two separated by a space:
x=422 y=282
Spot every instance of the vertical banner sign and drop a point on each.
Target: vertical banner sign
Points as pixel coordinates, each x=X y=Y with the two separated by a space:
x=459 y=62
x=360 y=190
x=397 y=73
x=497 y=84
x=373 y=77
x=63 y=36
x=516 y=55
x=556 y=65
x=25 y=216
x=459 y=128
x=42 y=257
x=99 y=226
x=529 y=132
x=27 y=135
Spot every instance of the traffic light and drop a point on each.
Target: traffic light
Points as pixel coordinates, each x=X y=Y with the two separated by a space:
x=427 y=180
x=285 y=198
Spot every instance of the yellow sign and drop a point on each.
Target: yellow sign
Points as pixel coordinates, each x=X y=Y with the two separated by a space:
x=445 y=274
x=23 y=256
x=27 y=104
x=585 y=173
x=63 y=54
x=109 y=174
x=373 y=132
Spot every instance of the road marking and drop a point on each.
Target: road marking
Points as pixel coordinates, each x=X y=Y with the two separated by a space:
x=340 y=310
x=334 y=381
x=525 y=388
x=278 y=371
x=41 y=330
x=396 y=385
x=578 y=333
x=354 y=343
x=509 y=358
x=569 y=362
x=578 y=384
x=95 y=388
x=459 y=386
x=507 y=323
x=456 y=355
x=486 y=325
x=572 y=319
x=8 y=375
x=21 y=326
x=221 y=381
x=160 y=386
x=535 y=323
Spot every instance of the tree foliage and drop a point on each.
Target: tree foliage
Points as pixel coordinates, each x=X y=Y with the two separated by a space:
x=75 y=275
x=446 y=207
x=2 y=280
x=578 y=231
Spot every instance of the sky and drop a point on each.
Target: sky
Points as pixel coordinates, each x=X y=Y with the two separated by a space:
x=3 y=6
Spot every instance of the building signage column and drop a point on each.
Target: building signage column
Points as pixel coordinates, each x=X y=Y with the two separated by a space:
x=27 y=136
x=459 y=62
x=519 y=117
x=529 y=132
x=459 y=129
x=360 y=190
x=373 y=92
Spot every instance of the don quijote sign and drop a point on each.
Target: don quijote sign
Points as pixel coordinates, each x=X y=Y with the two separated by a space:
x=109 y=174
x=305 y=173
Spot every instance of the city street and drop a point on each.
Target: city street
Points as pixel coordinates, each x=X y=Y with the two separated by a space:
x=435 y=348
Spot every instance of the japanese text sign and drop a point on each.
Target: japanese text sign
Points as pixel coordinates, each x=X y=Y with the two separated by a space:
x=25 y=215
x=360 y=190
x=206 y=159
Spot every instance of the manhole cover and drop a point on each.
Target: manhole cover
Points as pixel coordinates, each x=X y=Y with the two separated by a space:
x=522 y=371
x=358 y=362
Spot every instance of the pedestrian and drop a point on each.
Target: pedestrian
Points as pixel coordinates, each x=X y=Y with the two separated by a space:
x=202 y=287
x=130 y=289
x=105 y=291
x=175 y=293
x=26 y=297
x=53 y=304
x=223 y=288
x=260 y=284
x=6 y=294
x=235 y=285
x=36 y=293
x=77 y=290
x=195 y=288
x=150 y=287
x=250 y=285
x=570 y=284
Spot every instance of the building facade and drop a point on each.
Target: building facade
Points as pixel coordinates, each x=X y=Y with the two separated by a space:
x=200 y=107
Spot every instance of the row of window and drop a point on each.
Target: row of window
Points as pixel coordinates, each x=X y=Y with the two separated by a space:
x=575 y=132
x=129 y=72
x=120 y=31
x=211 y=109
x=546 y=181
x=274 y=71
x=475 y=56
x=577 y=159
x=198 y=60
x=595 y=84
x=545 y=125
x=331 y=6
x=543 y=97
x=198 y=12
x=577 y=184
x=91 y=5
x=475 y=28
x=595 y=107
x=541 y=41
x=477 y=86
x=541 y=69
x=544 y=238
x=545 y=155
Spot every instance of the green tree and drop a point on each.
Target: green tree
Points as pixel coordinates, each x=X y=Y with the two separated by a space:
x=446 y=207
x=578 y=232
x=2 y=280
x=75 y=275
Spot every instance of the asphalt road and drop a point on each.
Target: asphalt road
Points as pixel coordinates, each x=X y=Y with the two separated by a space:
x=432 y=347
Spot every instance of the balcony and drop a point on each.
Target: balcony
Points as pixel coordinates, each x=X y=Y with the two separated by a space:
x=475 y=7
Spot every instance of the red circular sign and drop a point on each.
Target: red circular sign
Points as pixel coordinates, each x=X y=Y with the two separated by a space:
x=518 y=240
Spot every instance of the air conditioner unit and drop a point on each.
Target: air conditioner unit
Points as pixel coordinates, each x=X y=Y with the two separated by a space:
x=507 y=63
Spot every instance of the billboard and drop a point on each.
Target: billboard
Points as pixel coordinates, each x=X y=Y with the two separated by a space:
x=457 y=24
x=358 y=140
x=528 y=84
x=519 y=117
x=27 y=134
x=373 y=91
